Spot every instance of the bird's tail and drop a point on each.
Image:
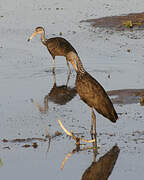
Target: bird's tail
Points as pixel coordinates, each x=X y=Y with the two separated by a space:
x=113 y=116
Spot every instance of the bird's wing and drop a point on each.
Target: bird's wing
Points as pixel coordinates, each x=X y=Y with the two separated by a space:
x=89 y=89
x=95 y=96
x=52 y=43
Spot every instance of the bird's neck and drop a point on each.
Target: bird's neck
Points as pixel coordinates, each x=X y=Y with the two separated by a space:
x=80 y=66
x=43 y=39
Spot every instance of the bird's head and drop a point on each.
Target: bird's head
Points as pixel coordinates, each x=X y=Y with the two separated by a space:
x=73 y=62
x=38 y=30
x=72 y=57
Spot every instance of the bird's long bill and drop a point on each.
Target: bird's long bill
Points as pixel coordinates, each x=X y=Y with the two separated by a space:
x=74 y=65
x=35 y=33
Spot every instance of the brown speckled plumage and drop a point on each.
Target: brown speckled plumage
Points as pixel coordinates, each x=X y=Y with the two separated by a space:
x=91 y=92
x=56 y=46
x=59 y=46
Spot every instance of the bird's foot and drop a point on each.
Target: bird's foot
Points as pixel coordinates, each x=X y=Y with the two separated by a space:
x=93 y=135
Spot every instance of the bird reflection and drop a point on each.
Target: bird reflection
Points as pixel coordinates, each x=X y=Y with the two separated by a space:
x=59 y=95
x=101 y=169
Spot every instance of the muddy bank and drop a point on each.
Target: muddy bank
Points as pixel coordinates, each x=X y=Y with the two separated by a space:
x=126 y=96
x=121 y=22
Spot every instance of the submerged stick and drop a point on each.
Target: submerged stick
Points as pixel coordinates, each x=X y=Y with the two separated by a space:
x=65 y=159
x=68 y=155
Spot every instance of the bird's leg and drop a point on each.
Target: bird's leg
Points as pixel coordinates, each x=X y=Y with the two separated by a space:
x=95 y=150
x=94 y=126
x=54 y=74
x=91 y=127
x=68 y=78
x=93 y=123
x=68 y=67
x=53 y=64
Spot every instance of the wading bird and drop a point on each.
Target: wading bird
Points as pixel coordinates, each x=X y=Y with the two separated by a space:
x=92 y=93
x=56 y=46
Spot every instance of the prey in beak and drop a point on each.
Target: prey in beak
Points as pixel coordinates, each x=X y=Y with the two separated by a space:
x=35 y=33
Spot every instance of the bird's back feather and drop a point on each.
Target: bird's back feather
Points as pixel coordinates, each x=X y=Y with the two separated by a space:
x=92 y=93
x=59 y=46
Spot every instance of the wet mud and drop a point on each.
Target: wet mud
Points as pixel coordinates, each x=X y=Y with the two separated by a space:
x=119 y=22
x=127 y=96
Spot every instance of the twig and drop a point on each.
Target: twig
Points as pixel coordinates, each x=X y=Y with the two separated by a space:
x=73 y=136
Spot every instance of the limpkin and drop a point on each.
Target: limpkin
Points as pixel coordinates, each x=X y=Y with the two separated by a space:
x=92 y=93
x=57 y=46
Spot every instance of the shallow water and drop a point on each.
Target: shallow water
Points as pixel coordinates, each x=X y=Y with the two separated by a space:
x=26 y=73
